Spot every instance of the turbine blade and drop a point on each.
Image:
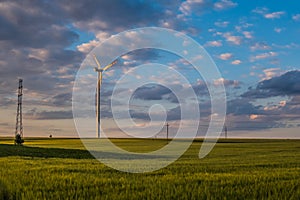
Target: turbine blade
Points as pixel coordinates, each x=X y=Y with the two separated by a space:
x=110 y=65
x=96 y=60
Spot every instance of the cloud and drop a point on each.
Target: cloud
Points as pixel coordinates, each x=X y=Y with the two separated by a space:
x=39 y=38
x=4 y=124
x=151 y=92
x=271 y=72
x=263 y=56
x=287 y=84
x=252 y=122
x=268 y=15
x=97 y=15
x=292 y=45
x=158 y=92
x=222 y=24
x=242 y=114
x=87 y=47
x=243 y=24
x=241 y=106
x=260 y=46
x=63 y=99
x=274 y=15
x=278 y=30
x=173 y=114
x=225 y=56
x=196 y=7
x=260 y=10
x=227 y=83
x=48 y=115
x=32 y=26
x=5 y=102
x=236 y=40
x=224 y=4
x=200 y=88
x=36 y=43
x=275 y=107
x=253 y=116
x=145 y=55
x=296 y=17
x=236 y=62
x=247 y=34
x=291 y=109
x=214 y=43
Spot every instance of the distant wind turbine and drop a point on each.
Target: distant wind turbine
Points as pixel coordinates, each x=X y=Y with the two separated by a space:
x=99 y=83
x=167 y=125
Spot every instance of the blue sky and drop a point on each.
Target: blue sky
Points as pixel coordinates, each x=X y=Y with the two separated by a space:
x=255 y=45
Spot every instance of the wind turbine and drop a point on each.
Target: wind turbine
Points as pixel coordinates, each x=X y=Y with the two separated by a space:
x=167 y=125
x=100 y=70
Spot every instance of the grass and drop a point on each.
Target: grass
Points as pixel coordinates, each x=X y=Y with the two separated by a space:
x=235 y=169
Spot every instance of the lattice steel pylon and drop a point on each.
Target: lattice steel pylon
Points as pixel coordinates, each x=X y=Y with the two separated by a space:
x=19 y=124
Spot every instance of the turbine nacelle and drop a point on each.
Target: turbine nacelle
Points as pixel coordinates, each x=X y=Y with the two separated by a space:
x=98 y=70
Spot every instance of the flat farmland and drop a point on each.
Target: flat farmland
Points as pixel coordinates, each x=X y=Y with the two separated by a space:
x=235 y=169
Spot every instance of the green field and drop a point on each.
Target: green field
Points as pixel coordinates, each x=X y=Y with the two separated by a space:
x=235 y=169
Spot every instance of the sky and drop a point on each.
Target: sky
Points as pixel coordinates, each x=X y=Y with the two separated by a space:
x=255 y=45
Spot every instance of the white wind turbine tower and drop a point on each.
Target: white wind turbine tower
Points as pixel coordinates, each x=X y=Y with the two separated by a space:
x=99 y=82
